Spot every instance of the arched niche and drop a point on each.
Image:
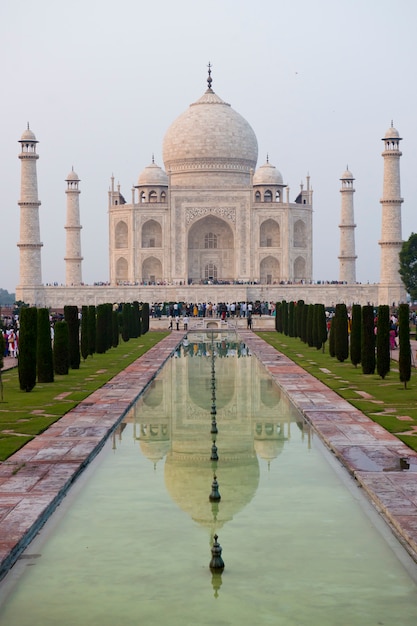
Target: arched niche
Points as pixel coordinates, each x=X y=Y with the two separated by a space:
x=300 y=235
x=269 y=270
x=269 y=234
x=299 y=268
x=152 y=270
x=121 y=235
x=151 y=234
x=122 y=268
x=211 y=244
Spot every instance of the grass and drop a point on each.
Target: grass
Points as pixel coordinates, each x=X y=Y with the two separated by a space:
x=386 y=401
x=25 y=415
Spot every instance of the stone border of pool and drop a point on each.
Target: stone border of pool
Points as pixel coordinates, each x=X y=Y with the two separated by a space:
x=35 y=479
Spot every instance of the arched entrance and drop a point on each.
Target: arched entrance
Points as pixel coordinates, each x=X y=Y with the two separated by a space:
x=211 y=254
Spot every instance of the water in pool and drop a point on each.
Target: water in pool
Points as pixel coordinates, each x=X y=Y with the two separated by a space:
x=131 y=543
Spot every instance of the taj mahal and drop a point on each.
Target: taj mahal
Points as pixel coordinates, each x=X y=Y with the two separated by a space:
x=210 y=226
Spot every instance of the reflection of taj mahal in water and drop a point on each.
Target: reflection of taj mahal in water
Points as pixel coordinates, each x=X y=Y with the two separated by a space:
x=172 y=425
x=211 y=226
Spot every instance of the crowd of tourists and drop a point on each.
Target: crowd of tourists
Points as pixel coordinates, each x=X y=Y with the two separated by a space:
x=221 y=310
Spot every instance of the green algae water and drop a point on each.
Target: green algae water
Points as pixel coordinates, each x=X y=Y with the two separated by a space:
x=131 y=543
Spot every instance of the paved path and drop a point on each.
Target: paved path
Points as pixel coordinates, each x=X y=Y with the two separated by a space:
x=35 y=479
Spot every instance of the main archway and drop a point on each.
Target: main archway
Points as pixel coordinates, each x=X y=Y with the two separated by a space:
x=211 y=253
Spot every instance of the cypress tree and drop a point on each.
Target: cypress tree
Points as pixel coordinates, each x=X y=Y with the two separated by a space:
x=291 y=319
x=368 y=340
x=109 y=325
x=72 y=319
x=44 y=357
x=101 y=328
x=300 y=307
x=85 y=351
x=278 y=317
x=285 y=317
x=341 y=345
x=404 y=357
x=115 y=329
x=144 y=318
x=135 y=320
x=314 y=331
x=126 y=317
x=355 y=335
x=332 y=335
x=61 y=348
x=321 y=326
x=309 y=328
x=92 y=321
x=383 y=356
x=27 y=348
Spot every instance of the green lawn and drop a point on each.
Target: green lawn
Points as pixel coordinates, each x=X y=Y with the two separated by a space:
x=386 y=401
x=24 y=415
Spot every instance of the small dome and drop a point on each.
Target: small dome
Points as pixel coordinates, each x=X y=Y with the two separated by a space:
x=28 y=135
x=152 y=176
x=347 y=175
x=392 y=133
x=72 y=176
x=267 y=175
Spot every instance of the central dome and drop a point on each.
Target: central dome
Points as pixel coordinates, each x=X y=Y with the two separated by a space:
x=210 y=136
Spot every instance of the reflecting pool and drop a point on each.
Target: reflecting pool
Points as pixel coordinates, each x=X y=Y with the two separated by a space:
x=131 y=543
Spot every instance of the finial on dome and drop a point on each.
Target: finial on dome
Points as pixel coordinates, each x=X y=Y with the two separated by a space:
x=392 y=123
x=267 y=157
x=28 y=126
x=209 y=79
x=153 y=159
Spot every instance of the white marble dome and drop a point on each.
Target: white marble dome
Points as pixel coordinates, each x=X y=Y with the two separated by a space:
x=267 y=174
x=210 y=135
x=152 y=176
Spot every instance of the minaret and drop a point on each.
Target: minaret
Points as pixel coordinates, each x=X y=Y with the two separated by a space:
x=391 y=240
x=29 y=245
x=347 y=256
x=73 y=256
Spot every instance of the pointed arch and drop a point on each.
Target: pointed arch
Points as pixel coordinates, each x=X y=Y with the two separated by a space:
x=121 y=235
x=122 y=269
x=152 y=234
x=211 y=245
x=269 y=234
x=300 y=234
x=152 y=270
x=299 y=268
x=269 y=270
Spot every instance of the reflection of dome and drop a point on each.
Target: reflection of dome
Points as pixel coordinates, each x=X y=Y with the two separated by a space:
x=153 y=175
x=267 y=175
x=189 y=485
x=210 y=135
x=154 y=450
x=269 y=449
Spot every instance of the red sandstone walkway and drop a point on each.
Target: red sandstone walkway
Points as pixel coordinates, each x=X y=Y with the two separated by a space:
x=34 y=480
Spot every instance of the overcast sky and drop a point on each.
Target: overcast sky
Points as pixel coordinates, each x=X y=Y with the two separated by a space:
x=100 y=82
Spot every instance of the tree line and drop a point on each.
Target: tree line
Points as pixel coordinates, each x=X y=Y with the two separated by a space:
x=364 y=336
x=46 y=350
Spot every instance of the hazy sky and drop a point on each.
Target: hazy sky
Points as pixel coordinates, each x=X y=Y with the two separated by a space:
x=100 y=82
